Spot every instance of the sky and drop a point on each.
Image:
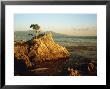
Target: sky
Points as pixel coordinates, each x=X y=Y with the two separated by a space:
x=69 y=24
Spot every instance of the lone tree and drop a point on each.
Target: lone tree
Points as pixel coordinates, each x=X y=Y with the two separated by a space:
x=36 y=27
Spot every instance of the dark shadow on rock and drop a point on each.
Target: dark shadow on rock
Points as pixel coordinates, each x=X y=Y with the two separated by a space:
x=19 y=66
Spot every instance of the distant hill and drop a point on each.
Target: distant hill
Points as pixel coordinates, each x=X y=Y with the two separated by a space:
x=23 y=35
x=26 y=35
x=54 y=34
x=59 y=35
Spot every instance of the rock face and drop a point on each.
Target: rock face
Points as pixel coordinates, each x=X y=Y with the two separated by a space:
x=21 y=55
x=44 y=49
x=39 y=50
x=73 y=72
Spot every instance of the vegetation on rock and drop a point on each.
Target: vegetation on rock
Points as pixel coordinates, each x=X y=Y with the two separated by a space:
x=36 y=27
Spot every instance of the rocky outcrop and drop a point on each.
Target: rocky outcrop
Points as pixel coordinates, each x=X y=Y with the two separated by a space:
x=72 y=72
x=44 y=49
x=21 y=55
x=39 y=50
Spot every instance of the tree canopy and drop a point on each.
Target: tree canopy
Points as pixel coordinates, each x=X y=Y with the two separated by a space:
x=35 y=26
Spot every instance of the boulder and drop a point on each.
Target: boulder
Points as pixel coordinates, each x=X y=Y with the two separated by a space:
x=45 y=49
x=37 y=50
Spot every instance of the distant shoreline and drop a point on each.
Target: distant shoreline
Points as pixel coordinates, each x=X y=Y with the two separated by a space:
x=31 y=31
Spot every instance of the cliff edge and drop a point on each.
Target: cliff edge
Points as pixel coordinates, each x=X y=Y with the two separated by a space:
x=39 y=49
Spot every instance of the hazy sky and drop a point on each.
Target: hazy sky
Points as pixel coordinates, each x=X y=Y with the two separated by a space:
x=70 y=24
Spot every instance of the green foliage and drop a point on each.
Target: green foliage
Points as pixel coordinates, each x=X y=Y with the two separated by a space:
x=36 y=27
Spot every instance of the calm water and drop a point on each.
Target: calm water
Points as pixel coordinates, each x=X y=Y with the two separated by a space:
x=62 y=40
x=76 y=39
